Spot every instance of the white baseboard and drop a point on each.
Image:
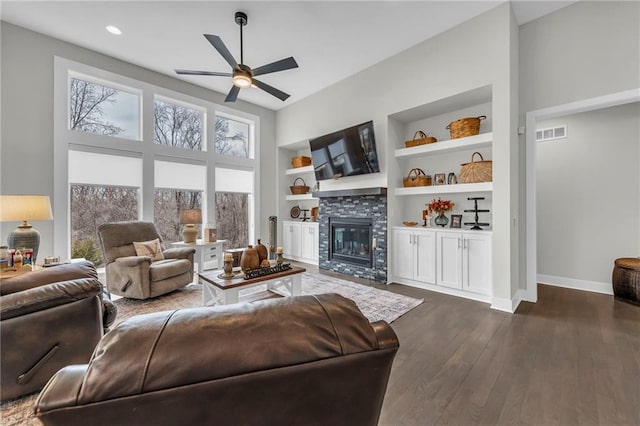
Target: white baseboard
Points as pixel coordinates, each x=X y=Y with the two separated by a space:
x=593 y=286
x=508 y=305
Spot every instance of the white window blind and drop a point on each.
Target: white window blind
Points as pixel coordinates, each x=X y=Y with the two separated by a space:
x=234 y=180
x=174 y=175
x=103 y=169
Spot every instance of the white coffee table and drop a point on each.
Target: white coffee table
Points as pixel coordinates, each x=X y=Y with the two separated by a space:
x=221 y=291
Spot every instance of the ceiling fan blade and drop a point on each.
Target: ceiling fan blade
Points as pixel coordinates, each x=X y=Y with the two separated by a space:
x=217 y=43
x=281 y=65
x=233 y=94
x=190 y=72
x=271 y=90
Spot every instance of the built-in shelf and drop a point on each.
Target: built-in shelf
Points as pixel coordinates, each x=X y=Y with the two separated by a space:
x=446 y=189
x=299 y=197
x=470 y=142
x=299 y=170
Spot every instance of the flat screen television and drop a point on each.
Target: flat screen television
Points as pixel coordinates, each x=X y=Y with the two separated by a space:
x=347 y=152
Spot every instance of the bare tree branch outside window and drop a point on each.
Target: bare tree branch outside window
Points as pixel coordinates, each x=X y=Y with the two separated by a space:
x=232 y=138
x=177 y=126
x=87 y=108
x=232 y=219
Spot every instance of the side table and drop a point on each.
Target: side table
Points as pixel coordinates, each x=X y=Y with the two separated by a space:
x=205 y=252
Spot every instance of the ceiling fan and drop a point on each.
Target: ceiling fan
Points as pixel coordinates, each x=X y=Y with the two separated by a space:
x=243 y=75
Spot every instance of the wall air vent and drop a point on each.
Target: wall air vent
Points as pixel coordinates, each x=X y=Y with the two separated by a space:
x=551 y=133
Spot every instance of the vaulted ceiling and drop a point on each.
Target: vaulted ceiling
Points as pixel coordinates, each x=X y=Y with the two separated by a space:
x=330 y=40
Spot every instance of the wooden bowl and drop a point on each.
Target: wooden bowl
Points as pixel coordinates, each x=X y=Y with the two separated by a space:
x=409 y=223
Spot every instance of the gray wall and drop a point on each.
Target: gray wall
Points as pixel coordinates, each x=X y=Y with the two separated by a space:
x=588 y=194
x=26 y=148
x=582 y=51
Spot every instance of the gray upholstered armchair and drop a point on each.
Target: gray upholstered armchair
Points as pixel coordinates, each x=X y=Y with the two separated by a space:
x=139 y=276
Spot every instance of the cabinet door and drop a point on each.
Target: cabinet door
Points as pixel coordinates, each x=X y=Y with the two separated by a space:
x=291 y=239
x=403 y=254
x=449 y=255
x=425 y=259
x=476 y=263
x=309 y=241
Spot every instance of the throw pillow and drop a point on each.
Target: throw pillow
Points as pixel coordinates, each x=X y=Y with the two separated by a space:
x=152 y=248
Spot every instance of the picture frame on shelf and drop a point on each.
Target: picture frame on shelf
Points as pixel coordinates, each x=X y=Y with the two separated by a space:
x=439 y=179
x=456 y=221
x=452 y=179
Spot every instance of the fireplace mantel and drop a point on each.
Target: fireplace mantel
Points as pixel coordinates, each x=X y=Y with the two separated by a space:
x=357 y=192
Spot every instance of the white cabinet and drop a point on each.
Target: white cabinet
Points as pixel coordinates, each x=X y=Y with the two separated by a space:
x=446 y=260
x=414 y=255
x=300 y=241
x=464 y=261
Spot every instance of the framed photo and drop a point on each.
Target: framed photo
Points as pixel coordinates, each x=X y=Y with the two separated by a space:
x=452 y=179
x=456 y=221
x=440 y=179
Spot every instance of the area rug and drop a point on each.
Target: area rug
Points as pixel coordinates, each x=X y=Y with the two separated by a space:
x=374 y=303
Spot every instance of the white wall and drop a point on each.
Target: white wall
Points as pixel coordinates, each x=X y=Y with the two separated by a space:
x=26 y=146
x=475 y=54
x=588 y=196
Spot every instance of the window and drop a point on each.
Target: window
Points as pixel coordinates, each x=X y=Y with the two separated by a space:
x=93 y=205
x=106 y=168
x=234 y=206
x=178 y=126
x=98 y=195
x=178 y=186
x=233 y=137
x=103 y=110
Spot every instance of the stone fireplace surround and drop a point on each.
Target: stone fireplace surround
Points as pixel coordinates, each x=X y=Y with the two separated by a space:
x=348 y=204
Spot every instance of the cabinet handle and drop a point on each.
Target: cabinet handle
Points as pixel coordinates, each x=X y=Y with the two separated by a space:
x=465 y=244
x=459 y=243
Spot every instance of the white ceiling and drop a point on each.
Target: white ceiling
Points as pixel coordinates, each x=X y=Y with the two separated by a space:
x=330 y=40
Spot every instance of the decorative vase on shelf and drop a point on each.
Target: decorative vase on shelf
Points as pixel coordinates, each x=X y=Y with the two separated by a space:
x=249 y=259
x=441 y=219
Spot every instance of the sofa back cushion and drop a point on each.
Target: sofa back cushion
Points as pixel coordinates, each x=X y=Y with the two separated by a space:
x=53 y=274
x=167 y=349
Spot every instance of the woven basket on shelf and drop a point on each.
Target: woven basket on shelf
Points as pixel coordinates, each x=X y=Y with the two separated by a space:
x=420 y=138
x=416 y=177
x=476 y=171
x=465 y=127
x=301 y=161
x=299 y=189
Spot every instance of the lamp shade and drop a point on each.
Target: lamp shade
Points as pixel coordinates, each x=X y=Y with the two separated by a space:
x=191 y=216
x=25 y=208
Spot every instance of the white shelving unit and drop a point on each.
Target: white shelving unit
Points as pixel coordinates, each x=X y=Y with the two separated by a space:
x=299 y=170
x=302 y=197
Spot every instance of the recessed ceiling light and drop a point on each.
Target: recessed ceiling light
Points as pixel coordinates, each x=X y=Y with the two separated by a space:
x=113 y=30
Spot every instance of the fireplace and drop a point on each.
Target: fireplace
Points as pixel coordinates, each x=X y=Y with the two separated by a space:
x=351 y=240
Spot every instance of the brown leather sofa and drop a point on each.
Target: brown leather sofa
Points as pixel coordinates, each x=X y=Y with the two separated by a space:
x=305 y=360
x=137 y=277
x=50 y=318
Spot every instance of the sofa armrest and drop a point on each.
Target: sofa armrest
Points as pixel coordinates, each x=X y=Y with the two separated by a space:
x=54 y=274
x=62 y=389
x=178 y=252
x=47 y=296
x=132 y=261
x=385 y=335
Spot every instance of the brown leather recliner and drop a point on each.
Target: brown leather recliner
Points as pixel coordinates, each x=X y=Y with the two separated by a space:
x=137 y=277
x=50 y=318
x=305 y=360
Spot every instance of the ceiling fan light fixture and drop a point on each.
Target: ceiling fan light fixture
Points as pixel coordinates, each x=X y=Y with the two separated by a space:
x=242 y=80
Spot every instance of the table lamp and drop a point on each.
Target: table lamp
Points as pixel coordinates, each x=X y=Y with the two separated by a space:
x=189 y=218
x=25 y=208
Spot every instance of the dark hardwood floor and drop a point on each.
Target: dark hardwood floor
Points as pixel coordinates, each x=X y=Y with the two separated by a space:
x=573 y=358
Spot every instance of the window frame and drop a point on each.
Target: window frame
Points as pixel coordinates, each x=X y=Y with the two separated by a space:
x=66 y=139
